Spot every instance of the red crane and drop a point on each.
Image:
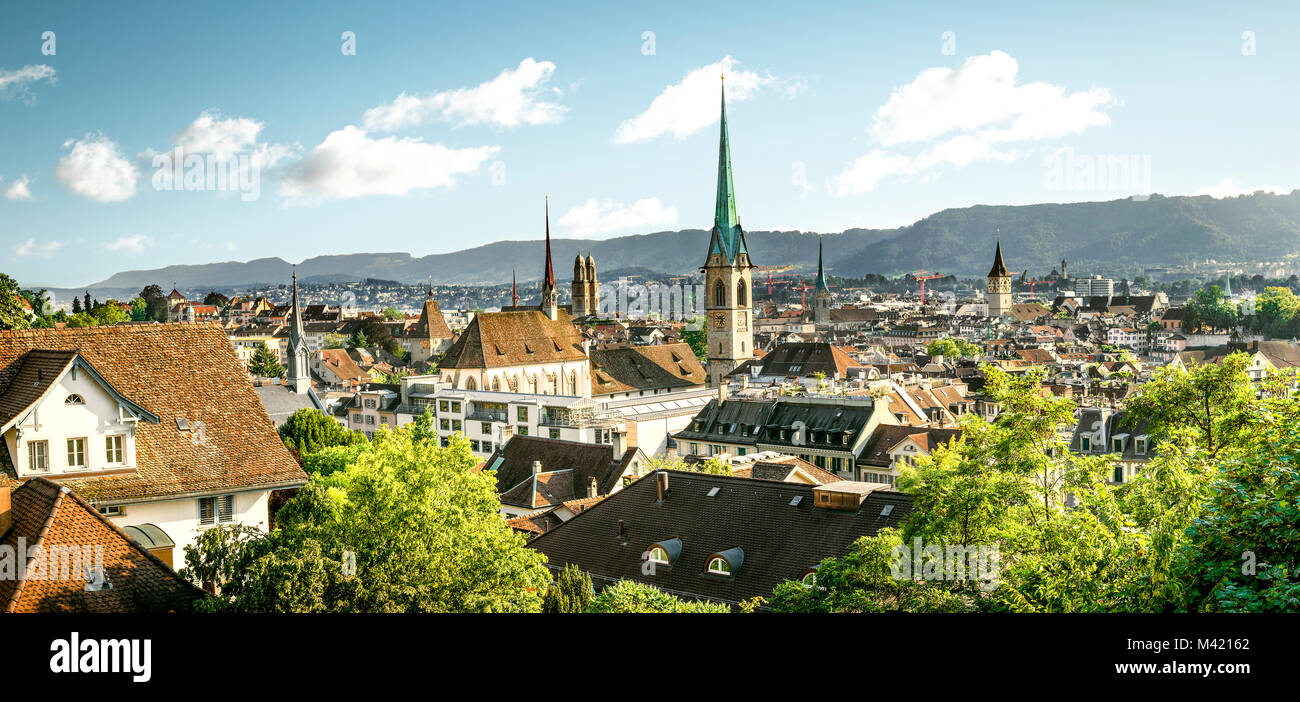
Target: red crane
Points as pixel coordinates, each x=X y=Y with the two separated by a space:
x=921 y=278
x=803 y=287
x=778 y=279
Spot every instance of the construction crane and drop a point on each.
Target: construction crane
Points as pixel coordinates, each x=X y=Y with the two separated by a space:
x=1031 y=282
x=921 y=278
x=803 y=287
x=779 y=279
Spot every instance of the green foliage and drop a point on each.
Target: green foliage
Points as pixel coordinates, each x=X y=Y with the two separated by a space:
x=571 y=593
x=336 y=341
x=110 y=313
x=408 y=526
x=139 y=310
x=308 y=431
x=13 y=314
x=630 y=597
x=266 y=363
x=393 y=313
x=1210 y=406
x=698 y=340
x=713 y=466
x=952 y=347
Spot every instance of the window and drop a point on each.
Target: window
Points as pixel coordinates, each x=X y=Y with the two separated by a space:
x=496 y=384
x=219 y=509
x=523 y=430
x=719 y=566
x=77 y=453
x=38 y=456
x=1119 y=474
x=809 y=581
x=113 y=452
x=719 y=294
x=485 y=428
x=740 y=293
x=658 y=555
x=554 y=433
x=370 y=404
x=521 y=413
x=455 y=407
x=74 y=399
x=1142 y=447
x=470 y=384
x=445 y=424
x=456 y=425
x=1117 y=445
x=695 y=449
x=442 y=405
x=1085 y=443
x=370 y=419
x=487 y=447
x=740 y=451
x=114 y=511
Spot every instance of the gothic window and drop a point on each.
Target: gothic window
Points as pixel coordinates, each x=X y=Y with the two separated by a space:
x=573 y=383
x=740 y=293
x=496 y=384
x=532 y=385
x=719 y=294
x=470 y=384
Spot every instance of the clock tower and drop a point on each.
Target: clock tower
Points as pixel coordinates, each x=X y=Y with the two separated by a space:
x=727 y=280
x=999 y=286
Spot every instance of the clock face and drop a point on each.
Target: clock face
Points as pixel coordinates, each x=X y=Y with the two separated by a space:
x=720 y=320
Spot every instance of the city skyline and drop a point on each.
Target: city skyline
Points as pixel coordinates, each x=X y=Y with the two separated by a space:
x=429 y=141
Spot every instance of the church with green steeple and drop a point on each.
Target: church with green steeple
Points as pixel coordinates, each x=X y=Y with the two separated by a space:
x=822 y=292
x=727 y=277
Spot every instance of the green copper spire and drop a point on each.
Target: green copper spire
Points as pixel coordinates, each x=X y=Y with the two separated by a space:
x=725 y=221
x=821 y=271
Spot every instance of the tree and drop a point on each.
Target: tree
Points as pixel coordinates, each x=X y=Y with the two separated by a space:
x=359 y=340
x=308 y=430
x=698 y=338
x=713 y=466
x=139 y=310
x=1210 y=406
x=571 y=593
x=629 y=597
x=952 y=347
x=265 y=363
x=13 y=313
x=155 y=302
x=393 y=313
x=408 y=526
x=336 y=341
x=76 y=306
x=80 y=320
x=216 y=299
x=86 y=305
x=110 y=313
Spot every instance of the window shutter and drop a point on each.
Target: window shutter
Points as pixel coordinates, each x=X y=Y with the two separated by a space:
x=206 y=515
x=226 y=508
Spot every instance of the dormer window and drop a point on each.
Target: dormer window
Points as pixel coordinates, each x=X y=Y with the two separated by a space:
x=1085 y=443
x=74 y=399
x=658 y=555
x=725 y=563
x=719 y=566
x=664 y=553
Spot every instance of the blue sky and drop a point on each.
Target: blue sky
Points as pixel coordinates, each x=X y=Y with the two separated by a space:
x=450 y=122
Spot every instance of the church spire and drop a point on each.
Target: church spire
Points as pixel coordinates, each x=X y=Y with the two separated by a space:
x=999 y=269
x=297 y=331
x=821 y=271
x=730 y=240
x=299 y=372
x=548 y=276
x=430 y=293
x=514 y=290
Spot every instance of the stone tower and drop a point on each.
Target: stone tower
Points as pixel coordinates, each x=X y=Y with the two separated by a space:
x=999 y=286
x=727 y=278
x=580 y=308
x=593 y=286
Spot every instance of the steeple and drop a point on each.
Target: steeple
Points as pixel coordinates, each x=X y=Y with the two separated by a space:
x=299 y=373
x=999 y=269
x=429 y=296
x=514 y=289
x=550 y=298
x=821 y=271
x=729 y=240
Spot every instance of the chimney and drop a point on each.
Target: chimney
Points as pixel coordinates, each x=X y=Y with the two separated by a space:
x=6 y=518
x=622 y=530
x=592 y=489
x=744 y=382
x=537 y=467
x=722 y=391
x=619 y=440
x=661 y=481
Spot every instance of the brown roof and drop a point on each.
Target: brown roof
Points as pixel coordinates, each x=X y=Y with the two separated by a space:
x=500 y=339
x=29 y=379
x=887 y=437
x=802 y=359
x=645 y=368
x=432 y=324
x=51 y=516
x=180 y=370
x=513 y=464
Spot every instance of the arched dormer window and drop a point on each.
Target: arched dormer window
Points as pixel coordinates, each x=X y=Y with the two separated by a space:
x=663 y=553
x=74 y=399
x=740 y=293
x=726 y=563
x=719 y=294
x=809 y=578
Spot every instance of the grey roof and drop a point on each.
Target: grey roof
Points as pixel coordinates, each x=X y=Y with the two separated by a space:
x=281 y=401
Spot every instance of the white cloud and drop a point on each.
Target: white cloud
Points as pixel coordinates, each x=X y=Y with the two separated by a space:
x=227 y=141
x=15 y=84
x=1225 y=188
x=136 y=244
x=515 y=97
x=976 y=107
x=593 y=218
x=18 y=190
x=350 y=164
x=96 y=170
x=31 y=248
x=687 y=107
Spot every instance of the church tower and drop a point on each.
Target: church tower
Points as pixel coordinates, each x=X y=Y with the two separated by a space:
x=999 y=286
x=727 y=275
x=550 y=305
x=580 y=305
x=299 y=371
x=593 y=286
x=822 y=296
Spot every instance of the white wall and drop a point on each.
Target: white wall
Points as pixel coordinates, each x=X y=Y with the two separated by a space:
x=55 y=423
x=180 y=518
